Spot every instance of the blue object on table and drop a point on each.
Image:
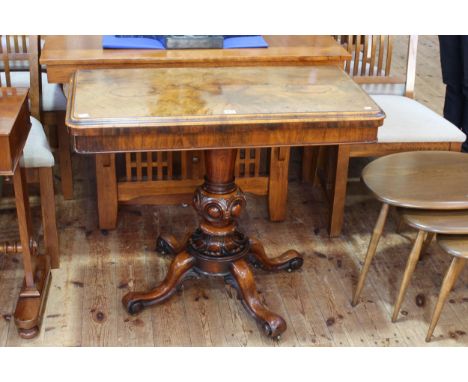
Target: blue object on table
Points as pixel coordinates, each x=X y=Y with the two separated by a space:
x=235 y=42
x=155 y=42
x=131 y=42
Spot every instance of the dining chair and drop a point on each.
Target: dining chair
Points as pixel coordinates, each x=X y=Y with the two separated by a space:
x=37 y=156
x=47 y=101
x=408 y=125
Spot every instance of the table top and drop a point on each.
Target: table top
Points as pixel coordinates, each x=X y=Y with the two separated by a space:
x=14 y=127
x=225 y=107
x=453 y=222
x=424 y=179
x=63 y=55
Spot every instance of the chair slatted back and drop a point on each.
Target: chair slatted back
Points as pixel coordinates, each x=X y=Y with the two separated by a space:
x=168 y=165
x=18 y=49
x=371 y=53
x=371 y=60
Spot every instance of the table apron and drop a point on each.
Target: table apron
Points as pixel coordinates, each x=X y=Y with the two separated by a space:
x=172 y=142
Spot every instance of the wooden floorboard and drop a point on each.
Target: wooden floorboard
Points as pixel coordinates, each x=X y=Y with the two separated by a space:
x=97 y=268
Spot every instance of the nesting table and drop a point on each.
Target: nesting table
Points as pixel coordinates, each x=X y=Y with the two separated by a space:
x=14 y=129
x=218 y=110
x=431 y=180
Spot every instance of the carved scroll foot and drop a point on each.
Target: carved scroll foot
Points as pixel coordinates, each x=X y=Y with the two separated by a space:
x=179 y=270
x=290 y=260
x=169 y=245
x=242 y=279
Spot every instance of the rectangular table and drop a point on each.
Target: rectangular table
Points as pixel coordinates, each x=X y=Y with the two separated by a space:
x=218 y=110
x=14 y=129
x=176 y=174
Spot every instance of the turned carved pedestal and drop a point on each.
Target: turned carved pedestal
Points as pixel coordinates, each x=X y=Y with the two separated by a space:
x=218 y=247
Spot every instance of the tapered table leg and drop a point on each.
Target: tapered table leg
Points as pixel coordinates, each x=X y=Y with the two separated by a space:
x=371 y=250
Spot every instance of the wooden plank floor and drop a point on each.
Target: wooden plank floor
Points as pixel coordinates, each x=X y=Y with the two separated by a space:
x=98 y=268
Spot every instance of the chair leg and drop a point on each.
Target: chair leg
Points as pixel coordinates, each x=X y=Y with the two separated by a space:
x=338 y=194
x=278 y=183
x=449 y=281
x=66 y=173
x=409 y=270
x=310 y=158
x=107 y=199
x=49 y=221
x=376 y=234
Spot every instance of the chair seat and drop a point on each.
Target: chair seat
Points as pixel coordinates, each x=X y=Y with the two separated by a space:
x=409 y=121
x=52 y=94
x=36 y=152
x=455 y=245
x=384 y=89
x=440 y=222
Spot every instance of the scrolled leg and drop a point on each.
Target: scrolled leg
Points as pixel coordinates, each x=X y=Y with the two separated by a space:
x=169 y=245
x=242 y=279
x=290 y=260
x=179 y=270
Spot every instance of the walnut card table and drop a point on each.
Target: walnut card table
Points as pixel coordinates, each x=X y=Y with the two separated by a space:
x=218 y=110
x=14 y=129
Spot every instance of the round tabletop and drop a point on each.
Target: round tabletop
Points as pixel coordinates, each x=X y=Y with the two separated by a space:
x=420 y=179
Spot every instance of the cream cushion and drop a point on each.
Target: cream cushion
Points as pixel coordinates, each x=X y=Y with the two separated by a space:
x=36 y=152
x=384 y=89
x=52 y=94
x=409 y=121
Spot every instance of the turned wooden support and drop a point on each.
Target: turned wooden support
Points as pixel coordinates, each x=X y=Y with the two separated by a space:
x=16 y=247
x=218 y=247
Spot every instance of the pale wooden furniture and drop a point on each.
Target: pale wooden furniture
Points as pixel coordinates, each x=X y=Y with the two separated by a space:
x=14 y=129
x=171 y=177
x=456 y=246
x=425 y=180
x=191 y=108
x=19 y=62
x=408 y=126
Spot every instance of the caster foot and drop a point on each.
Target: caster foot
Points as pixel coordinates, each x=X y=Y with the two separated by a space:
x=241 y=278
x=290 y=260
x=135 y=307
x=27 y=334
x=169 y=245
